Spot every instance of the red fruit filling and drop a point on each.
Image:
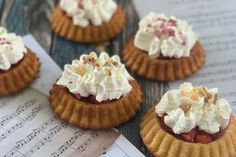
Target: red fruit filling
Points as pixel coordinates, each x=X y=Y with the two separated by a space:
x=189 y=136
x=203 y=138
x=92 y=99
x=194 y=136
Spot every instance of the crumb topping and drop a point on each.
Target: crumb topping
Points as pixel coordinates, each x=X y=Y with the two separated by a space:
x=185 y=107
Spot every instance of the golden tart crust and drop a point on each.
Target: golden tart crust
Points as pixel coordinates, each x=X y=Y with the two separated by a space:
x=63 y=25
x=20 y=75
x=139 y=62
x=162 y=144
x=87 y=115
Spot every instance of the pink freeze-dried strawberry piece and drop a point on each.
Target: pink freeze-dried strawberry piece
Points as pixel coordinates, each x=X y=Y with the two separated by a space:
x=165 y=31
x=172 y=22
x=158 y=33
x=162 y=25
x=171 y=32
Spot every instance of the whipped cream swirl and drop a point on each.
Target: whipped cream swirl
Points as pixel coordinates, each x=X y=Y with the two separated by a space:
x=165 y=36
x=85 y=11
x=104 y=77
x=12 y=49
x=188 y=107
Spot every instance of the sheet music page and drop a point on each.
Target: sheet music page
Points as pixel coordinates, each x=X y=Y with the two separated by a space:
x=28 y=127
x=215 y=23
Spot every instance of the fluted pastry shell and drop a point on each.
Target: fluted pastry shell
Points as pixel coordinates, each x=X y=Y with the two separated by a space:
x=21 y=75
x=63 y=25
x=86 y=115
x=159 y=69
x=162 y=144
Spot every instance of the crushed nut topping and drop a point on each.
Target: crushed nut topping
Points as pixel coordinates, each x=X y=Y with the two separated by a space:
x=195 y=94
x=109 y=72
x=81 y=71
x=185 y=107
x=215 y=98
x=191 y=94
x=207 y=95
x=91 y=59
x=110 y=62
x=115 y=63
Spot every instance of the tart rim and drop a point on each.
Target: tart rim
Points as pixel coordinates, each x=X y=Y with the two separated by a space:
x=64 y=27
x=160 y=69
x=88 y=115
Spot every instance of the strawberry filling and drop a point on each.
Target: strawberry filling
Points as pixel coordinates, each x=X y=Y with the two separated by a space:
x=92 y=99
x=194 y=136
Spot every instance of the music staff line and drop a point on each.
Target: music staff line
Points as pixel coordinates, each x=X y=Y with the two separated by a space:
x=41 y=129
x=45 y=140
x=79 y=149
x=8 y=118
x=21 y=122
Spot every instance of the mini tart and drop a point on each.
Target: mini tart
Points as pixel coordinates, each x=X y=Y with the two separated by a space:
x=162 y=144
x=163 y=69
x=63 y=25
x=87 y=115
x=20 y=75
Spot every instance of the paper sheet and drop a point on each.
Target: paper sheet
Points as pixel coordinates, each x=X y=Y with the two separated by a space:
x=29 y=128
x=49 y=70
x=215 y=23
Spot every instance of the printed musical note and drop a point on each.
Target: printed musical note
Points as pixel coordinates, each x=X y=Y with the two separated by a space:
x=33 y=113
x=12 y=129
x=46 y=139
x=68 y=143
x=31 y=136
x=21 y=143
x=20 y=123
x=8 y=118
x=82 y=147
x=4 y=120
x=38 y=146
x=47 y=123
x=10 y=153
x=26 y=105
